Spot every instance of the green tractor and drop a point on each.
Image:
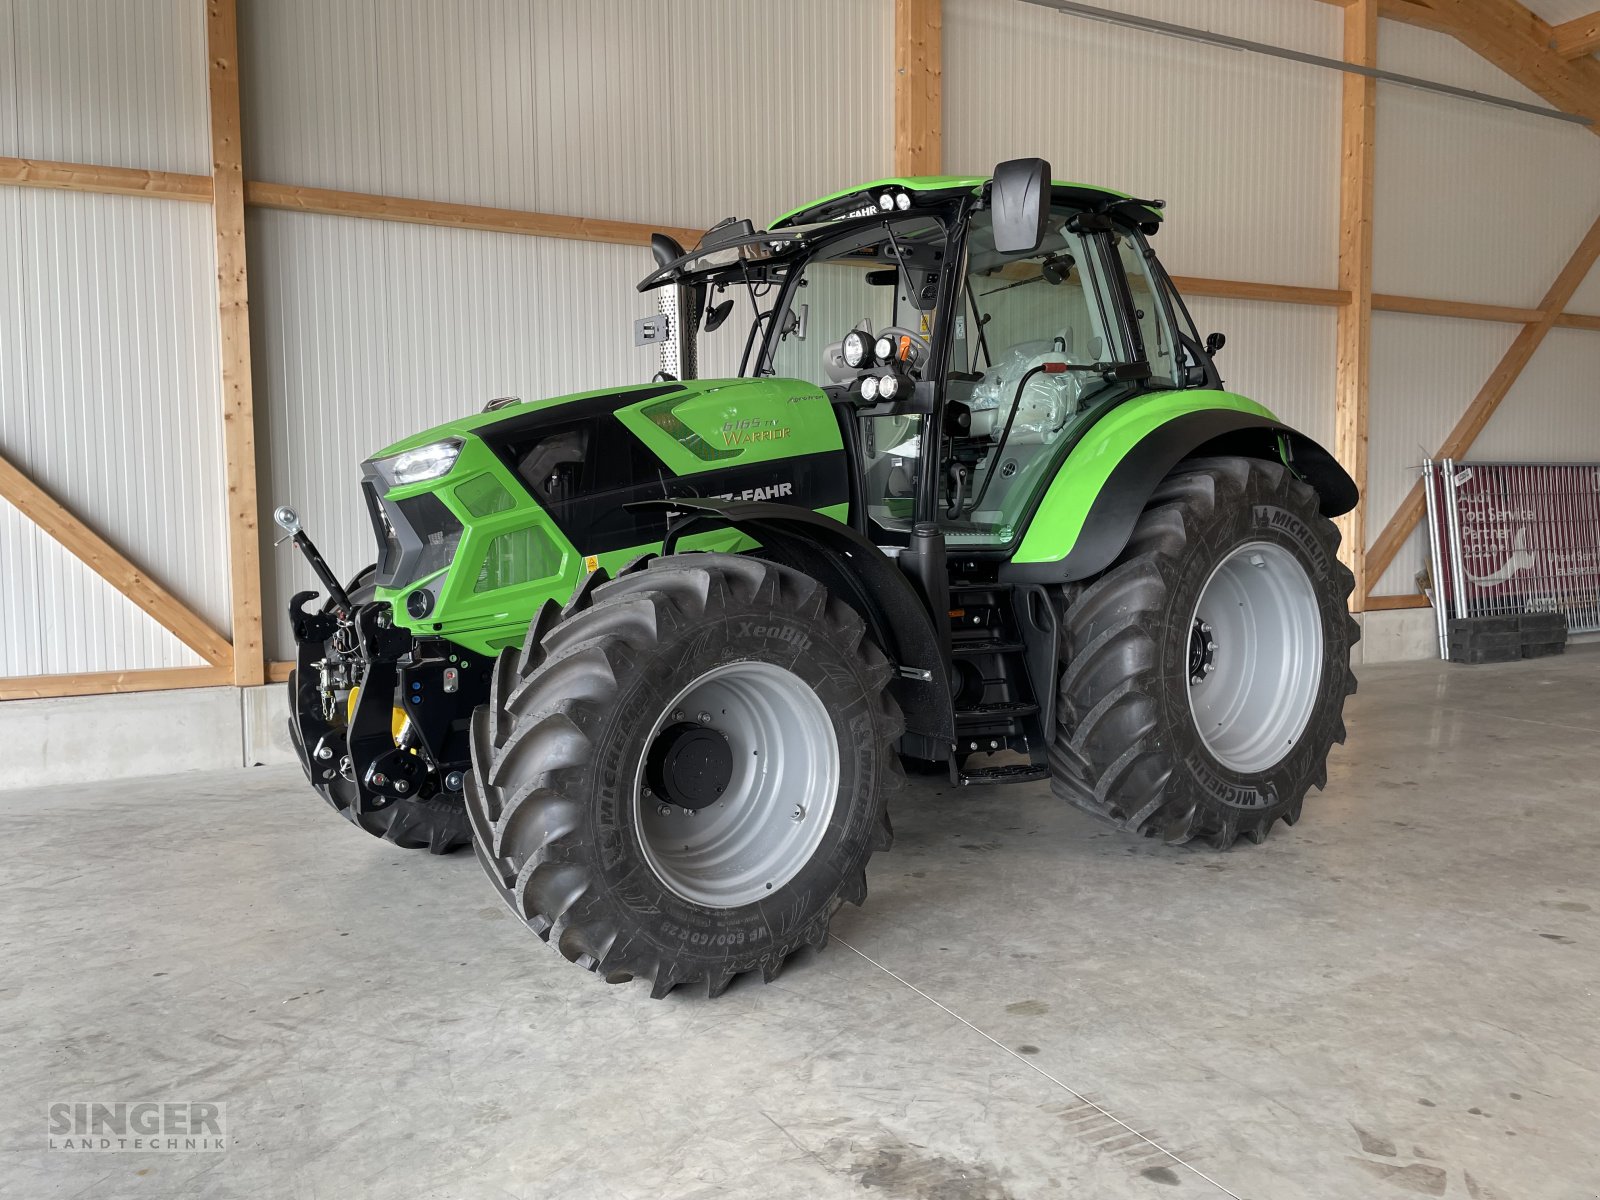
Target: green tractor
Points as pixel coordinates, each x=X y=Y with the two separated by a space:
x=967 y=495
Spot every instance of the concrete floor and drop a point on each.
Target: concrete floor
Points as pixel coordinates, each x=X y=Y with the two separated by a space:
x=1397 y=997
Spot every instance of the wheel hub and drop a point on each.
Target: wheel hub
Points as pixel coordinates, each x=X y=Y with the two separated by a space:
x=737 y=784
x=689 y=765
x=1202 y=652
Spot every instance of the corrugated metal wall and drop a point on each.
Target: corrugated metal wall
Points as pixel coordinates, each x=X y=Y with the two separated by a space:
x=1244 y=149
x=118 y=85
x=108 y=354
x=678 y=111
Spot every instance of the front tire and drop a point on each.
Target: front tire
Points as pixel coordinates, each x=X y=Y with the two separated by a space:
x=683 y=777
x=1205 y=671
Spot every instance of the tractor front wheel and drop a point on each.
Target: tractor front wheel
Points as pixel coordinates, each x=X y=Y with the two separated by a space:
x=1205 y=671
x=682 y=777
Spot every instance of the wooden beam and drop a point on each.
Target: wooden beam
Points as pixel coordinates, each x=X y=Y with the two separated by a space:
x=1353 y=339
x=457 y=216
x=1277 y=293
x=41 y=687
x=1488 y=399
x=1578 y=321
x=1459 y=309
x=918 y=87
x=1573 y=39
x=1518 y=42
x=106 y=561
x=115 y=181
x=1389 y=603
x=278 y=672
x=233 y=328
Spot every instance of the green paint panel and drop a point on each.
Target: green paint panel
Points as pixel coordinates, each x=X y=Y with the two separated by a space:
x=512 y=557
x=720 y=423
x=1072 y=493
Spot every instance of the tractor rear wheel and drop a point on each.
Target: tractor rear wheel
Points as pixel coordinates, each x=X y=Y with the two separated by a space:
x=1205 y=672
x=437 y=822
x=682 y=777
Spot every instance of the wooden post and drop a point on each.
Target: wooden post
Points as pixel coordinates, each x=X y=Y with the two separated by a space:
x=918 y=94
x=233 y=323
x=1354 y=340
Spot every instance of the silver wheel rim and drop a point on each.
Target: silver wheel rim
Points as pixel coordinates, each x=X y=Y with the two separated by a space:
x=780 y=795
x=1255 y=657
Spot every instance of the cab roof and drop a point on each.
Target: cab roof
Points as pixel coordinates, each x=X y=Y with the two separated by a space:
x=935 y=187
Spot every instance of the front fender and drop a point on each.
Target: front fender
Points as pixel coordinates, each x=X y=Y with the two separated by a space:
x=855 y=572
x=1089 y=509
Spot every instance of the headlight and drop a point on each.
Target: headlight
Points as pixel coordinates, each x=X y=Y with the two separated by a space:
x=888 y=387
x=884 y=349
x=854 y=349
x=425 y=462
x=886 y=202
x=869 y=388
x=903 y=201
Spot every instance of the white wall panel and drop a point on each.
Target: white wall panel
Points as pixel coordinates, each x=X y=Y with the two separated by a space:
x=109 y=399
x=368 y=331
x=1552 y=413
x=679 y=111
x=117 y=84
x=1477 y=203
x=1244 y=148
x=1280 y=355
x=1425 y=371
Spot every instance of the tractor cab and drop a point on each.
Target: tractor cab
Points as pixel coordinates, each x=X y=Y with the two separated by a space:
x=964 y=353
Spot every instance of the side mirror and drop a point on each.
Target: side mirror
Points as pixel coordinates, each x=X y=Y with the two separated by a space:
x=717 y=314
x=1215 y=342
x=1019 y=202
x=664 y=249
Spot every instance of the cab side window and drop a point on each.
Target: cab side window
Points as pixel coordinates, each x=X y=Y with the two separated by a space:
x=1161 y=346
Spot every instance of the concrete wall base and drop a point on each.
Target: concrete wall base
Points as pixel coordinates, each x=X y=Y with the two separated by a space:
x=82 y=739
x=1397 y=635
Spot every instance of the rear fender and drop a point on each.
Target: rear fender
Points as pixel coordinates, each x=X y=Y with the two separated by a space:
x=1088 y=512
x=856 y=572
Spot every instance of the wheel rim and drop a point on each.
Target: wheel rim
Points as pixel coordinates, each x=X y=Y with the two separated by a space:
x=1255 y=657
x=764 y=816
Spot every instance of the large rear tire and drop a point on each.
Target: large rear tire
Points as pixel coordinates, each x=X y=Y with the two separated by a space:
x=1205 y=672
x=682 y=777
x=436 y=822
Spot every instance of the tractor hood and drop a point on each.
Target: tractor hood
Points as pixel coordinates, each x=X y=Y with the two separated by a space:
x=559 y=407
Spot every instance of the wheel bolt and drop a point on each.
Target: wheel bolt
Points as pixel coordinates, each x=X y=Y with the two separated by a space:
x=705 y=718
x=663 y=810
x=799 y=813
x=1210 y=667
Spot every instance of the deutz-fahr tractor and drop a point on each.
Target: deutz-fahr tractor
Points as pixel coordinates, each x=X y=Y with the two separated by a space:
x=965 y=495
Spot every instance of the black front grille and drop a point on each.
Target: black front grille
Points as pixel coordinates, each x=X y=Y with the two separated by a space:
x=416 y=537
